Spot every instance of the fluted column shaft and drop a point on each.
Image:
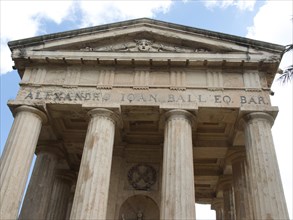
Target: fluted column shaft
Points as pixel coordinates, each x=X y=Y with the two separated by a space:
x=114 y=186
x=17 y=158
x=243 y=206
x=69 y=205
x=218 y=206
x=228 y=203
x=91 y=195
x=60 y=196
x=225 y=184
x=178 y=198
x=268 y=196
x=37 y=198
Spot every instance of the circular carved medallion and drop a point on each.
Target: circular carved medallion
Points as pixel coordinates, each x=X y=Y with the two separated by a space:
x=142 y=176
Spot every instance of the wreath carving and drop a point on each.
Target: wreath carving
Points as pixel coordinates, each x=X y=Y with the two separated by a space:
x=142 y=176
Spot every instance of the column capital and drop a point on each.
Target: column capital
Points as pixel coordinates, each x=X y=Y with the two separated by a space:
x=257 y=115
x=25 y=108
x=217 y=203
x=49 y=149
x=66 y=175
x=225 y=182
x=103 y=112
x=236 y=155
x=180 y=113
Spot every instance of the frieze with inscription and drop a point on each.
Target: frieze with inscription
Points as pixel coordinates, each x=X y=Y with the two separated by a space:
x=198 y=97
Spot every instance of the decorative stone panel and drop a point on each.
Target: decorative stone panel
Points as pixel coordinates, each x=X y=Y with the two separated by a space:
x=141 y=79
x=177 y=80
x=34 y=76
x=251 y=81
x=214 y=80
x=72 y=76
x=106 y=79
x=55 y=76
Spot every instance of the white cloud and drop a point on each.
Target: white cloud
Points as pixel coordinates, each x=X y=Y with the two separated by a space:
x=239 y=4
x=21 y=19
x=100 y=12
x=273 y=23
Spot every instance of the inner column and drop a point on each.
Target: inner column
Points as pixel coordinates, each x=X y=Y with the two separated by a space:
x=242 y=193
x=38 y=195
x=178 y=197
x=91 y=195
x=225 y=184
x=218 y=206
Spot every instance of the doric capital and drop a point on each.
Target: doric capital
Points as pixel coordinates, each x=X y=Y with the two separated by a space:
x=217 y=203
x=248 y=118
x=67 y=175
x=234 y=156
x=102 y=112
x=37 y=112
x=225 y=182
x=50 y=148
x=180 y=114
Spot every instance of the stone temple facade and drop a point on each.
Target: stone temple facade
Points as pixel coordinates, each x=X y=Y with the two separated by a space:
x=141 y=120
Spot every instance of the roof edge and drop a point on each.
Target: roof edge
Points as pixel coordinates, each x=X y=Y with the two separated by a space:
x=218 y=35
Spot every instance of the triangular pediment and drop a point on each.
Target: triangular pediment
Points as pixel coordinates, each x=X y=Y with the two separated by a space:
x=143 y=35
x=142 y=38
x=146 y=42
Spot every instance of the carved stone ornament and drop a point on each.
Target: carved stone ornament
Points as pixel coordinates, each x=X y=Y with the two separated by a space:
x=144 y=45
x=142 y=176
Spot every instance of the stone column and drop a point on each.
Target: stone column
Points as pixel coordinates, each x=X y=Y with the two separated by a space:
x=178 y=197
x=70 y=201
x=60 y=195
x=242 y=204
x=17 y=158
x=218 y=206
x=268 y=198
x=38 y=194
x=114 y=186
x=225 y=184
x=91 y=195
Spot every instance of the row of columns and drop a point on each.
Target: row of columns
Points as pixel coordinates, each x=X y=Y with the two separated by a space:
x=262 y=190
x=254 y=191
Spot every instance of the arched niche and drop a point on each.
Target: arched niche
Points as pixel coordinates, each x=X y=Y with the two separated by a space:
x=139 y=207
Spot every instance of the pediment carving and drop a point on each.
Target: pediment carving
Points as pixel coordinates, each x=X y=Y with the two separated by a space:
x=145 y=45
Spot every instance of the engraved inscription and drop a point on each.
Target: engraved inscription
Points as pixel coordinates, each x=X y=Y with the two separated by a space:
x=150 y=97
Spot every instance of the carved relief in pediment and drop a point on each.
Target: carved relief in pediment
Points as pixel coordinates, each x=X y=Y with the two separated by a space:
x=144 y=45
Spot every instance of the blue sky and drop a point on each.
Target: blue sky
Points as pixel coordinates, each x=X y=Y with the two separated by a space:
x=269 y=21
